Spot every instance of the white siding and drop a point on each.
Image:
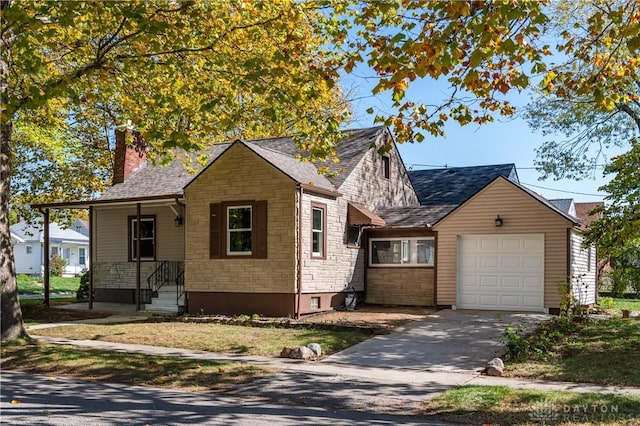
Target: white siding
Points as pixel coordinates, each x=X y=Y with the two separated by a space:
x=29 y=264
x=583 y=270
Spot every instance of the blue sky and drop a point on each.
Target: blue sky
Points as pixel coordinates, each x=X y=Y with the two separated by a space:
x=506 y=140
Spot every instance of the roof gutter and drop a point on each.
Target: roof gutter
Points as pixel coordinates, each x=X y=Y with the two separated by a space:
x=319 y=191
x=88 y=203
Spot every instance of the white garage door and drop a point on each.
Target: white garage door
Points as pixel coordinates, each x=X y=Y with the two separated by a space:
x=502 y=272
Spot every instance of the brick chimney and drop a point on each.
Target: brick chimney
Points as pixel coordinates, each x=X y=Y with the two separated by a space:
x=128 y=158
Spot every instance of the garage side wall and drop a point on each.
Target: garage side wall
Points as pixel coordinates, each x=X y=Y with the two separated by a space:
x=521 y=214
x=583 y=270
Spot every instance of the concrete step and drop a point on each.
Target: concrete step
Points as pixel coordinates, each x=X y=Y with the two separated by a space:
x=164 y=310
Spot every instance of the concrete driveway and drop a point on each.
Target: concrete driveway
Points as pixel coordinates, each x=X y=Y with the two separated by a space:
x=461 y=340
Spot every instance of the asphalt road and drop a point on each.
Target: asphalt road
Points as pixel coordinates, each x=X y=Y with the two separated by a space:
x=59 y=401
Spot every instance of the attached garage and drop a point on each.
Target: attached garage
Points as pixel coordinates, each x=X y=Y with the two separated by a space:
x=501 y=272
x=515 y=263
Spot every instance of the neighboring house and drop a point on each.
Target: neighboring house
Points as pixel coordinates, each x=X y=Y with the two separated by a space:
x=28 y=248
x=260 y=231
x=583 y=260
x=81 y=226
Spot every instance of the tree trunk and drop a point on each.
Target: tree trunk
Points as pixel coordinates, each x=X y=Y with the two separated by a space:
x=10 y=312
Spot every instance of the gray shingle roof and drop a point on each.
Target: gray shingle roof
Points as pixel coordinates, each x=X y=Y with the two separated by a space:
x=455 y=185
x=156 y=181
x=563 y=204
x=28 y=232
x=414 y=216
x=302 y=172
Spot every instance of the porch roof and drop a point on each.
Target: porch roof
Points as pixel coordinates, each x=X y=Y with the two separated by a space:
x=414 y=216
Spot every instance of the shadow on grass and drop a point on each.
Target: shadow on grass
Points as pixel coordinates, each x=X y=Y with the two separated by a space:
x=127 y=368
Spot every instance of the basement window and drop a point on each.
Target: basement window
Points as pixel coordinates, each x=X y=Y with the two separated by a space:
x=315 y=303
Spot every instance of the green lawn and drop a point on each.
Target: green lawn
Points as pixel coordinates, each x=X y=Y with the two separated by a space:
x=35 y=285
x=501 y=405
x=603 y=351
x=128 y=368
x=632 y=305
x=265 y=341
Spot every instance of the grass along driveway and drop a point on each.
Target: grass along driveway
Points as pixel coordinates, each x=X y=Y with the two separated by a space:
x=264 y=341
x=501 y=405
x=127 y=368
x=604 y=352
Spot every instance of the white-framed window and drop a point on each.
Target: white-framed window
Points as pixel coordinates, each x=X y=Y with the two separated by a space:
x=29 y=249
x=82 y=256
x=239 y=230
x=414 y=251
x=147 y=238
x=318 y=225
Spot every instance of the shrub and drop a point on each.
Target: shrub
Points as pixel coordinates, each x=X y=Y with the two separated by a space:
x=538 y=345
x=619 y=282
x=606 y=302
x=83 y=290
x=57 y=265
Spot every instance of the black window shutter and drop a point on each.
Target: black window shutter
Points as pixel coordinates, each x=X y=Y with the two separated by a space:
x=215 y=231
x=260 y=230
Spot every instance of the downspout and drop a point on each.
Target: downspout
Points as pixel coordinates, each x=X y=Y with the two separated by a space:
x=90 y=257
x=45 y=256
x=297 y=307
x=183 y=211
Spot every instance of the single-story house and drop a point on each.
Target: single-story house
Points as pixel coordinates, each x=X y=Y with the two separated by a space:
x=258 y=230
x=28 y=248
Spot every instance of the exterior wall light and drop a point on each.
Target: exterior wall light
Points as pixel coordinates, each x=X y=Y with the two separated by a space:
x=178 y=221
x=498 y=221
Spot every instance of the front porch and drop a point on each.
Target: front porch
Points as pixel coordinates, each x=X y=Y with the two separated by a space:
x=161 y=285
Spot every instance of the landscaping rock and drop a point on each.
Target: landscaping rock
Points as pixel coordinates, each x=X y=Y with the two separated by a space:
x=286 y=352
x=495 y=367
x=496 y=362
x=315 y=347
x=495 y=371
x=302 y=352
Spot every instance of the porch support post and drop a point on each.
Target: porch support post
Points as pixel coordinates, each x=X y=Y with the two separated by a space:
x=137 y=257
x=90 y=254
x=47 y=272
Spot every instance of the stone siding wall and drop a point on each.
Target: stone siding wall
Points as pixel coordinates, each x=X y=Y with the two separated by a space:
x=241 y=175
x=121 y=274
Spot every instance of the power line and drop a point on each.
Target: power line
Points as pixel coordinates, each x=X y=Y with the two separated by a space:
x=561 y=190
